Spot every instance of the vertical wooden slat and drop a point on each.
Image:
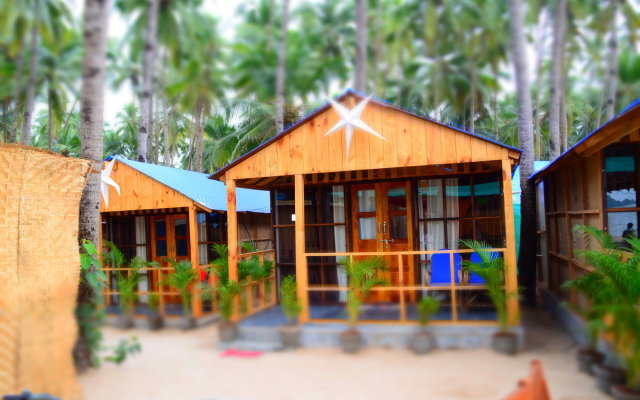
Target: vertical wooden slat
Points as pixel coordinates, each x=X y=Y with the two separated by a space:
x=301 y=259
x=454 y=300
x=403 y=311
x=510 y=254
x=195 y=261
x=232 y=234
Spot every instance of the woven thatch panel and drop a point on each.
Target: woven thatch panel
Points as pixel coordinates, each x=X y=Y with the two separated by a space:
x=39 y=270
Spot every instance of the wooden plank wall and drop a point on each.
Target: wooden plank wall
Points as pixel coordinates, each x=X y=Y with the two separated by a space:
x=573 y=196
x=411 y=141
x=139 y=192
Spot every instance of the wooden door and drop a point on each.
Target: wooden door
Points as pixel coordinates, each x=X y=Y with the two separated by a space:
x=170 y=240
x=382 y=222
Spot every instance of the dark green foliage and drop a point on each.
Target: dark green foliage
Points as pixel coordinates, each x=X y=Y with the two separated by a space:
x=492 y=271
x=90 y=316
x=124 y=349
x=614 y=290
x=181 y=279
x=427 y=307
x=363 y=275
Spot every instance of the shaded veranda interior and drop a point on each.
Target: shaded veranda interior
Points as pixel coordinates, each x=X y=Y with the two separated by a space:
x=167 y=213
x=409 y=197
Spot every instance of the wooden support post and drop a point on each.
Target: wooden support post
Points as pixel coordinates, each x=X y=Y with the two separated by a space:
x=196 y=303
x=510 y=259
x=232 y=236
x=301 y=259
x=454 y=292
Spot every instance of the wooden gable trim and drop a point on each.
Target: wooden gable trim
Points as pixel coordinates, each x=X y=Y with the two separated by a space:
x=125 y=178
x=318 y=120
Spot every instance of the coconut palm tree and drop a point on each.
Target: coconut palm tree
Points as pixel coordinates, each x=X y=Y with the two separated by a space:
x=361 y=45
x=527 y=254
x=91 y=109
x=280 y=72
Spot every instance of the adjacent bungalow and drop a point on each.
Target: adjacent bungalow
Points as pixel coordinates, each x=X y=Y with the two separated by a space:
x=163 y=212
x=595 y=182
x=360 y=177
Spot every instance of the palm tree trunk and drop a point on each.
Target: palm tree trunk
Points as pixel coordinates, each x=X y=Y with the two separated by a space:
x=555 y=78
x=472 y=102
x=17 y=93
x=526 y=258
x=146 y=98
x=537 y=113
x=612 y=63
x=50 y=122
x=25 y=137
x=91 y=121
x=361 y=46
x=165 y=133
x=378 y=49
x=280 y=72
x=198 y=139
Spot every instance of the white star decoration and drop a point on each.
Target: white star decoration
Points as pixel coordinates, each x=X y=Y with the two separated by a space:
x=105 y=181
x=350 y=119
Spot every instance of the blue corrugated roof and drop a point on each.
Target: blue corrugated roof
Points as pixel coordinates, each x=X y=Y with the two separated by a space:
x=199 y=188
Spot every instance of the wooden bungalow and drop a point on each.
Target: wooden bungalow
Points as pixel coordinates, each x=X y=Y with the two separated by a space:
x=593 y=183
x=361 y=177
x=163 y=212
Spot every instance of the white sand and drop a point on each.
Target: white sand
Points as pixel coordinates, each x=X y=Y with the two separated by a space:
x=186 y=366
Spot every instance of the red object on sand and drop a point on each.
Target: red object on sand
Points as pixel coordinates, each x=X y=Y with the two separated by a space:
x=241 y=353
x=533 y=387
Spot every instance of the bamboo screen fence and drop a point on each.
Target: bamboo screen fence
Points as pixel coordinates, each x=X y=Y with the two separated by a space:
x=39 y=270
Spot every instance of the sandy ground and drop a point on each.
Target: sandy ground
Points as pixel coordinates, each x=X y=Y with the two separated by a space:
x=186 y=366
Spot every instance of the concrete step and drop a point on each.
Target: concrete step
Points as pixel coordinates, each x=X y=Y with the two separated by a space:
x=249 y=345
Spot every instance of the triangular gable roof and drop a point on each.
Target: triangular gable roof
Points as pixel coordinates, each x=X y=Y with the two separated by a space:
x=350 y=92
x=196 y=186
x=611 y=131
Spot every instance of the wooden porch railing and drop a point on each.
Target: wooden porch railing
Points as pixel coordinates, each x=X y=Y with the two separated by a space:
x=260 y=294
x=255 y=296
x=402 y=287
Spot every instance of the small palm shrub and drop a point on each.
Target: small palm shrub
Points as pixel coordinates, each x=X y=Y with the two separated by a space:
x=225 y=296
x=289 y=298
x=153 y=301
x=181 y=279
x=427 y=307
x=614 y=288
x=362 y=276
x=492 y=270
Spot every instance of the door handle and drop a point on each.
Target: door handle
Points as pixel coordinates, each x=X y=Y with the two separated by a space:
x=384 y=227
x=386 y=242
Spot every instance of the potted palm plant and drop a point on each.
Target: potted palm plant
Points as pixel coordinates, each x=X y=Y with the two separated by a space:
x=224 y=293
x=421 y=341
x=290 y=332
x=492 y=270
x=362 y=276
x=615 y=281
x=154 y=318
x=181 y=279
x=126 y=282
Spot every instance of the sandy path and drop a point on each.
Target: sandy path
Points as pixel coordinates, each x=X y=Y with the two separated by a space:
x=186 y=366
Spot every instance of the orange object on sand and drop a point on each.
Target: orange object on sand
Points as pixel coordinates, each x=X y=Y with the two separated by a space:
x=533 y=387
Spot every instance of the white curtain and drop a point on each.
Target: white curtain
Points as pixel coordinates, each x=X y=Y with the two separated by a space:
x=453 y=193
x=203 y=257
x=141 y=251
x=431 y=232
x=339 y=234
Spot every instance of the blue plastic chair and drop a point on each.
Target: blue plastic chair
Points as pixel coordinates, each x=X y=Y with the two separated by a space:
x=441 y=268
x=476 y=259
